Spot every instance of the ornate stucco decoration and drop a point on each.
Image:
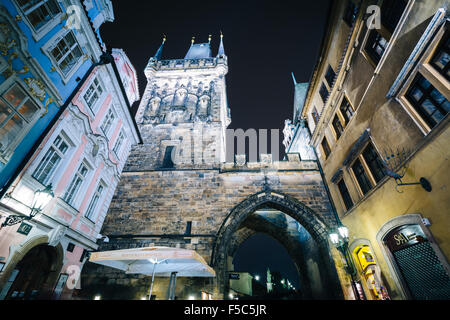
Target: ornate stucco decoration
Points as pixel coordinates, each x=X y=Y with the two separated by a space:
x=5 y=42
x=37 y=89
x=10 y=70
x=56 y=235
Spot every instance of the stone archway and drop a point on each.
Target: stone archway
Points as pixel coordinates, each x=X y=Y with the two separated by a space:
x=19 y=254
x=294 y=251
x=313 y=223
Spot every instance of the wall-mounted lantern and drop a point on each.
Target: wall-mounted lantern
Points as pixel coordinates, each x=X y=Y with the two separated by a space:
x=40 y=199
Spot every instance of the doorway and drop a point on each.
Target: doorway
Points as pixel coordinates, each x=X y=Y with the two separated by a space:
x=33 y=275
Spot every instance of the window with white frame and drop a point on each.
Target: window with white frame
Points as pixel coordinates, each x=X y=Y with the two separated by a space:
x=93 y=93
x=119 y=143
x=108 y=122
x=75 y=184
x=66 y=53
x=17 y=113
x=39 y=12
x=50 y=162
x=90 y=212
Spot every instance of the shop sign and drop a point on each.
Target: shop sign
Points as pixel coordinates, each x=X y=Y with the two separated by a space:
x=404 y=237
x=24 y=229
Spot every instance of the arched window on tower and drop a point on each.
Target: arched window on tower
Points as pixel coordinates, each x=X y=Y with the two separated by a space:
x=167 y=161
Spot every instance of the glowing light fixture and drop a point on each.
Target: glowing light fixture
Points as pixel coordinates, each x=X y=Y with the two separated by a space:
x=40 y=199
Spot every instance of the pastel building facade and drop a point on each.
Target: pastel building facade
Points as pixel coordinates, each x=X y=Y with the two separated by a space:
x=376 y=113
x=47 y=47
x=80 y=156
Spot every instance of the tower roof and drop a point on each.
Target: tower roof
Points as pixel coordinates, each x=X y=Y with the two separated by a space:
x=199 y=50
x=300 y=92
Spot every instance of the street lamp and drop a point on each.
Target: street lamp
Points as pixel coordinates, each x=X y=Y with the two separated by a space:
x=40 y=199
x=339 y=238
x=256 y=277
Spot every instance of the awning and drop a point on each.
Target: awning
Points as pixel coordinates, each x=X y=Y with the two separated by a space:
x=186 y=263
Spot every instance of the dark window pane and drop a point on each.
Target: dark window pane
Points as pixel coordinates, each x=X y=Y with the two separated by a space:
x=326 y=147
x=323 y=93
x=375 y=46
x=427 y=101
x=329 y=76
x=374 y=162
x=5 y=111
x=337 y=125
x=391 y=12
x=346 y=110
x=361 y=176
x=70 y=247
x=351 y=11
x=167 y=162
x=188 y=228
x=345 y=195
x=441 y=58
x=28 y=110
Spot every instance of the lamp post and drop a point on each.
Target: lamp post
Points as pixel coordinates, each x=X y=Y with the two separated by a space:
x=339 y=238
x=40 y=199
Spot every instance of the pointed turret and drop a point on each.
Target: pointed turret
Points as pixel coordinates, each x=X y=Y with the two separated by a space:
x=159 y=52
x=221 y=51
x=300 y=91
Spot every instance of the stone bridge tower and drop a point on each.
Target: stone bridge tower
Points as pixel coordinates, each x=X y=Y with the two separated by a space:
x=178 y=190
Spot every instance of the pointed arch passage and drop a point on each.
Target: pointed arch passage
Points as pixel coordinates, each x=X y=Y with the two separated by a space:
x=311 y=221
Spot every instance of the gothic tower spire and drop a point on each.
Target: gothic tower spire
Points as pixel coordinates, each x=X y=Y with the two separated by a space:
x=159 y=52
x=221 y=51
x=184 y=108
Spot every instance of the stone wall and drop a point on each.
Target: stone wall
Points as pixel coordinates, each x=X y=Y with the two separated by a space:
x=162 y=202
x=153 y=207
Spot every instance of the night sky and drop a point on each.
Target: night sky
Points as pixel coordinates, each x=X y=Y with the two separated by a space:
x=260 y=252
x=264 y=40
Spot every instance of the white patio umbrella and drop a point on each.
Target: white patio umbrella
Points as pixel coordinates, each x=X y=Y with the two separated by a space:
x=161 y=261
